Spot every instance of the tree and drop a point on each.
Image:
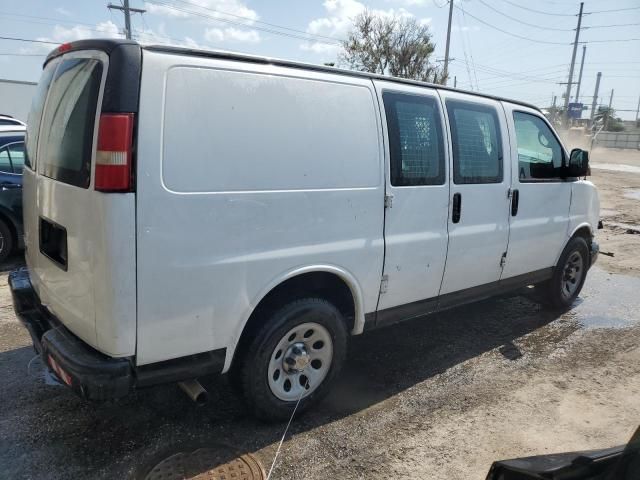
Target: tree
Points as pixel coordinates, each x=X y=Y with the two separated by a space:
x=606 y=116
x=391 y=45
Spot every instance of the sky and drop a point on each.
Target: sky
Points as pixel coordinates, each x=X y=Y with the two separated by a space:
x=513 y=48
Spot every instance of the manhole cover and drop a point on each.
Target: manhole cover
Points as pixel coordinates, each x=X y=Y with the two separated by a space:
x=208 y=464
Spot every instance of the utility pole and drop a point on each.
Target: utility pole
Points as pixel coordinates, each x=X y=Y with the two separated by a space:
x=584 y=51
x=555 y=113
x=446 y=48
x=594 y=105
x=606 y=121
x=127 y=15
x=567 y=96
x=638 y=110
x=455 y=81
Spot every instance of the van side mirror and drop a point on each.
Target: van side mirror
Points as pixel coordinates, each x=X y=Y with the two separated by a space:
x=578 y=163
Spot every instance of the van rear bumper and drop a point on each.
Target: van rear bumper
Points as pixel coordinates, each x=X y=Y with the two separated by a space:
x=89 y=373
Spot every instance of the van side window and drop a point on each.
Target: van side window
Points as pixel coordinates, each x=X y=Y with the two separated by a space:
x=539 y=152
x=477 y=145
x=416 y=145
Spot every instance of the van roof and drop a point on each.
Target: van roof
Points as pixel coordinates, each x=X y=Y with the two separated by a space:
x=108 y=45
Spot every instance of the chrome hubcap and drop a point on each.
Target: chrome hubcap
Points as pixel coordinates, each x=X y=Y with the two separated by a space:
x=296 y=359
x=572 y=274
x=300 y=361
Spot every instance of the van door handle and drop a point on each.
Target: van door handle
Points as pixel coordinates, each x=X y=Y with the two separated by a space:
x=457 y=208
x=515 y=200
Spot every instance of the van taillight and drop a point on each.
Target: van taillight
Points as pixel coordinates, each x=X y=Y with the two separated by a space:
x=113 y=156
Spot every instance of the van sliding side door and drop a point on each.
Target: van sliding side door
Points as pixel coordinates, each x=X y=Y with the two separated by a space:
x=480 y=183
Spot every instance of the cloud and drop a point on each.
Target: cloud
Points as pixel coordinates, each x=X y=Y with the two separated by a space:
x=62 y=34
x=63 y=11
x=207 y=11
x=214 y=8
x=150 y=36
x=233 y=34
x=411 y=3
x=339 y=20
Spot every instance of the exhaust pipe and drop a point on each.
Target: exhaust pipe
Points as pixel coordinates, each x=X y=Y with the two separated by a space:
x=196 y=392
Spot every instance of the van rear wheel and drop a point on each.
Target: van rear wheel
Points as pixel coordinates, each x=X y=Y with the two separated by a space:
x=6 y=241
x=293 y=359
x=569 y=275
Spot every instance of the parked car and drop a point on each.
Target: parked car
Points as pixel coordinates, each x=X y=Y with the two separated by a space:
x=11 y=165
x=9 y=121
x=190 y=213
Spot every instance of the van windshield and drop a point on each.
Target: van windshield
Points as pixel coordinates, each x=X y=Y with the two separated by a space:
x=68 y=125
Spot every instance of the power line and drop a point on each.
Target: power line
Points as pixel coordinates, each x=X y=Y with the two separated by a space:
x=539 y=11
x=610 y=26
x=29 y=40
x=6 y=54
x=613 y=40
x=259 y=21
x=308 y=36
x=513 y=34
x=47 y=18
x=84 y=25
x=464 y=34
x=613 y=10
x=524 y=23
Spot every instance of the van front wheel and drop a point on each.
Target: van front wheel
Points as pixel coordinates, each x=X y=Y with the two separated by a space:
x=293 y=359
x=569 y=275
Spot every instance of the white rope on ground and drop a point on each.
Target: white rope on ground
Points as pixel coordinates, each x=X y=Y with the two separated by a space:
x=275 y=458
x=29 y=365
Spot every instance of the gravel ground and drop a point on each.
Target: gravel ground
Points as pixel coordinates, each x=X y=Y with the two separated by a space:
x=439 y=397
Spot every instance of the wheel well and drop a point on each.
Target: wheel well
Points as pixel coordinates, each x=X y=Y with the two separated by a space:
x=584 y=232
x=319 y=284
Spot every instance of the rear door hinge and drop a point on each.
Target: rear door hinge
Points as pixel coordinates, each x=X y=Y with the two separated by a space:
x=503 y=259
x=509 y=193
x=388 y=200
x=384 y=283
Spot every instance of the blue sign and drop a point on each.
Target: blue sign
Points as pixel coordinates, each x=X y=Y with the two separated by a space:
x=575 y=110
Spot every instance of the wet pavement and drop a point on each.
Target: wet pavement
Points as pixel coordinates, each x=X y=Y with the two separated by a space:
x=616 y=167
x=436 y=374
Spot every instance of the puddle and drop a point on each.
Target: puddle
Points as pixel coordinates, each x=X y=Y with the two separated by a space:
x=633 y=194
x=616 y=167
x=608 y=301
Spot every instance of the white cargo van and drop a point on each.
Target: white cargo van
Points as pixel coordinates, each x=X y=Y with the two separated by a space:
x=190 y=213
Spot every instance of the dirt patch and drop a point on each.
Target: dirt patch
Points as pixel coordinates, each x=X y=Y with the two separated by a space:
x=620 y=209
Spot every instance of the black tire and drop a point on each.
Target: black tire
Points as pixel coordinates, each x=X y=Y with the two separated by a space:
x=6 y=241
x=563 y=288
x=251 y=368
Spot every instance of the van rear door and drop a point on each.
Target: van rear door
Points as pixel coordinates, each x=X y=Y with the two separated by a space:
x=80 y=241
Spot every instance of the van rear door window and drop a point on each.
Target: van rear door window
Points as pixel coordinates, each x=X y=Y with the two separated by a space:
x=35 y=114
x=69 y=120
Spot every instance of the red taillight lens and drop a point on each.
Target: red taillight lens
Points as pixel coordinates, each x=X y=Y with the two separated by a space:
x=113 y=156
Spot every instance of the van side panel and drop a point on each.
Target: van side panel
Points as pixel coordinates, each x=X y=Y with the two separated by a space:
x=247 y=172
